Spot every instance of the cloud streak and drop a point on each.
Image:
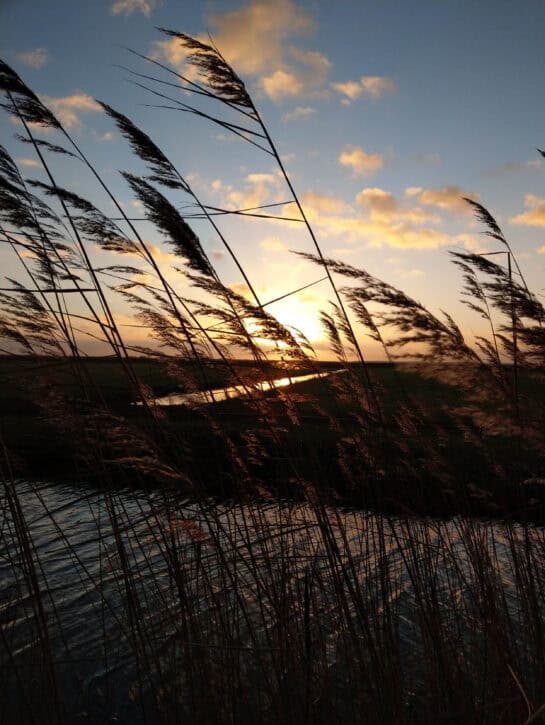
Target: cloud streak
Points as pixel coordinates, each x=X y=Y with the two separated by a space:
x=36 y=58
x=371 y=86
x=299 y=113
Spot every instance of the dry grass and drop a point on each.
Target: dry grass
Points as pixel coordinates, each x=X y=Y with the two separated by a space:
x=261 y=610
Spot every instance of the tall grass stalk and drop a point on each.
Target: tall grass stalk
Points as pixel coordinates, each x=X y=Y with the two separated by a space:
x=212 y=547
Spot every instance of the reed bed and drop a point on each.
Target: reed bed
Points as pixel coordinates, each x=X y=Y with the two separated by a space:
x=284 y=567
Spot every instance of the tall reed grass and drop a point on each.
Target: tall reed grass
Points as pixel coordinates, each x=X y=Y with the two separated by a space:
x=264 y=610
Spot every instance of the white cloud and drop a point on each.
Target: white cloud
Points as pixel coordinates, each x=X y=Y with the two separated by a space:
x=535 y=216
x=299 y=112
x=361 y=163
x=128 y=7
x=35 y=58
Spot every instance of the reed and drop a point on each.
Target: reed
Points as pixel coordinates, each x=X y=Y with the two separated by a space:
x=225 y=576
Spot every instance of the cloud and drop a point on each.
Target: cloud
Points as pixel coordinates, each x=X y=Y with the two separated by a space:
x=128 y=7
x=304 y=80
x=447 y=197
x=258 y=190
x=361 y=163
x=257 y=40
x=373 y=86
x=377 y=219
x=382 y=207
x=253 y=37
x=217 y=255
x=379 y=201
x=281 y=84
x=299 y=112
x=29 y=163
x=350 y=89
x=541 y=250
x=242 y=289
x=323 y=204
x=410 y=273
x=66 y=109
x=108 y=136
x=427 y=157
x=377 y=86
x=535 y=216
x=35 y=58
x=273 y=244
x=512 y=167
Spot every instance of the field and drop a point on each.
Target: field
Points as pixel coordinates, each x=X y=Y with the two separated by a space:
x=312 y=445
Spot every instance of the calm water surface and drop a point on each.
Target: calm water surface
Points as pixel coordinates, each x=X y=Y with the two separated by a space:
x=83 y=541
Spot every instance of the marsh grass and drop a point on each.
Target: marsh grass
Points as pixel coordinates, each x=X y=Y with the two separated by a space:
x=263 y=609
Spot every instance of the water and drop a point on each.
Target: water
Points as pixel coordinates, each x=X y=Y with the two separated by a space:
x=88 y=544
x=237 y=391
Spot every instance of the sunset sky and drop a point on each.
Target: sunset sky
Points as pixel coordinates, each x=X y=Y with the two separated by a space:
x=386 y=114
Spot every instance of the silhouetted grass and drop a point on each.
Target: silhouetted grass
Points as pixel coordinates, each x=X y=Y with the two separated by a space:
x=244 y=589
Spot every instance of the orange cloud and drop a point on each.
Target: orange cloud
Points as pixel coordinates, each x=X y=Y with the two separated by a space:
x=29 y=163
x=255 y=39
x=322 y=204
x=273 y=244
x=535 y=216
x=66 y=109
x=361 y=163
x=381 y=220
x=258 y=190
x=448 y=197
x=281 y=84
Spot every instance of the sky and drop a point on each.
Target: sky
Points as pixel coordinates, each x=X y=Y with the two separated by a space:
x=385 y=113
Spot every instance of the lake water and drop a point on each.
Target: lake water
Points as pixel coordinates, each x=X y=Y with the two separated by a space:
x=84 y=543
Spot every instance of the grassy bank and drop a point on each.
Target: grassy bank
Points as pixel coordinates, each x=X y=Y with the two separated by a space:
x=39 y=447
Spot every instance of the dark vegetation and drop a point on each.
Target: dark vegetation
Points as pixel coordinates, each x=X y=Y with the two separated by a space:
x=272 y=627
